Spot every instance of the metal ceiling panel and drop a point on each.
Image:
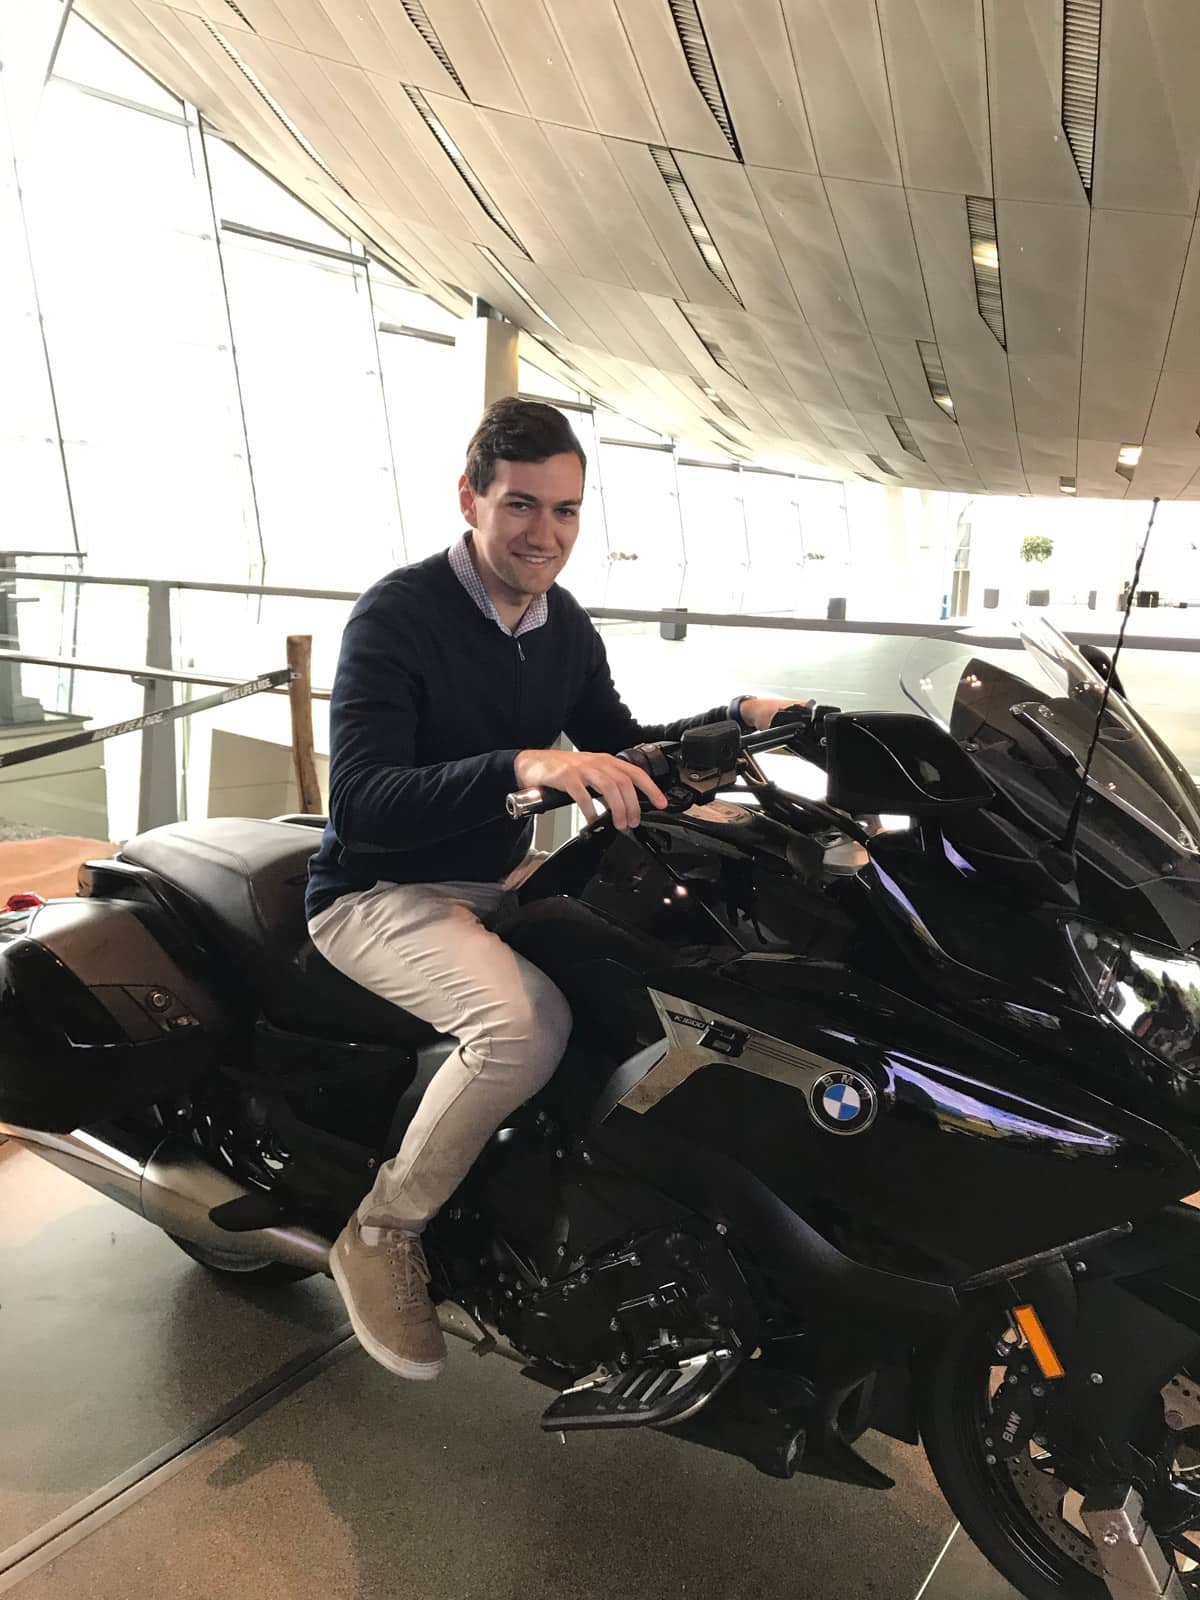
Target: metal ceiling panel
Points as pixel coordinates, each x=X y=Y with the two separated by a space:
x=1031 y=158
x=685 y=119
x=1115 y=399
x=861 y=380
x=315 y=30
x=380 y=50
x=1045 y=391
x=975 y=365
x=266 y=17
x=538 y=61
x=589 y=161
x=753 y=54
x=654 y=343
x=531 y=150
x=1148 y=112
x=1047 y=457
x=1095 y=471
x=877 y=237
x=479 y=136
x=598 y=49
x=468 y=40
x=796 y=210
x=902 y=362
x=980 y=386
x=1183 y=345
x=557 y=294
x=935 y=66
x=731 y=211
x=406 y=138
x=1175 y=415
x=1165 y=472
x=839 y=55
x=1043 y=265
x=799 y=357
x=662 y=216
x=1135 y=264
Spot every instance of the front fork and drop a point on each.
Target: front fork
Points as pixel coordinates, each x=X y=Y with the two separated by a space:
x=1099 y=1339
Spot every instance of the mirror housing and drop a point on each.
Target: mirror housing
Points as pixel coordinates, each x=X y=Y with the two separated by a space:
x=899 y=762
x=1102 y=662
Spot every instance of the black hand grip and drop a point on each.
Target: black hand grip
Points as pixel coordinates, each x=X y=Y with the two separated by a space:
x=533 y=802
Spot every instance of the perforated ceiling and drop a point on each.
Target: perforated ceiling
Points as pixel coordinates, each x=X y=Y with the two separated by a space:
x=852 y=233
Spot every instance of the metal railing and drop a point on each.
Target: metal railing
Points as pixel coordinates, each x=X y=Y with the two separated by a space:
x=158 y=800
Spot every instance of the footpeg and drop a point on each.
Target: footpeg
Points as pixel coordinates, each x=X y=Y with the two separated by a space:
x=1132 y=1559
x=650 y=1393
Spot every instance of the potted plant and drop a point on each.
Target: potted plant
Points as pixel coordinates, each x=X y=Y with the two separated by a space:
x=1036 y=548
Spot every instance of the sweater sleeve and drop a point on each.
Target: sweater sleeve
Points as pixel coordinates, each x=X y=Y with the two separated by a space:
x=378 y=799
x=600 y=719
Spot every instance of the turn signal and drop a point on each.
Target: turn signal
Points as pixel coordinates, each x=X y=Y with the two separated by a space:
x=1038 y=1340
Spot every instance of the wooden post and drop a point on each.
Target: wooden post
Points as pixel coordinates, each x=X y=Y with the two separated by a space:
x=304 y=761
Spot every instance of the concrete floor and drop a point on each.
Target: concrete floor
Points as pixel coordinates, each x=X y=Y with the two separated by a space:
x=128 y=1368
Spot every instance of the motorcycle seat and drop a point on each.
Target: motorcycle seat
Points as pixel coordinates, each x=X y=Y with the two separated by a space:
x=247 y=878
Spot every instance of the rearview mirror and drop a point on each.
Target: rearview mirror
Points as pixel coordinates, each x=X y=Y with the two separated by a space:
x=892 y=761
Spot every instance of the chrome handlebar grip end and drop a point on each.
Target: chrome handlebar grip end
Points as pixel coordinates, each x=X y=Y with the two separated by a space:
x=524 y=803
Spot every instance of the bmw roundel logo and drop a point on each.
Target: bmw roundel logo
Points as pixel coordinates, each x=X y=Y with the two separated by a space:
x=843 y=1102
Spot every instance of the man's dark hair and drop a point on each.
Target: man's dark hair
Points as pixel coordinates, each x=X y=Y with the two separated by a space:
x=518 y=430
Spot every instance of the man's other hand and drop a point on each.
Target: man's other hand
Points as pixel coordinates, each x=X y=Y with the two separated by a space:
x=577 y=771
x=758 y=710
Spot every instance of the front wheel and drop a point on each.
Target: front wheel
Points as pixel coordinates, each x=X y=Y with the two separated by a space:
x=246 y=1269
x=1023 y=1511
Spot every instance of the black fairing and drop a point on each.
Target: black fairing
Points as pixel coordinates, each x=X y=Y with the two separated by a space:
x=1010 y=1119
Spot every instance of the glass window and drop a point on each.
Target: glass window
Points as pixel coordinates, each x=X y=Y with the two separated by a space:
x=399 y=305
x=244 y=193
x=714 y=537
x=775 y=575
x=645 y=547
x=425 y=420
x=313 y=397
x=138 y=340
x=86 y=56
x=532 y=380
x=612 y=425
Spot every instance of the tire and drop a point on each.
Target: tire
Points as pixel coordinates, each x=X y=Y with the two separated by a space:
x=246 y=1269
x=952 y=1409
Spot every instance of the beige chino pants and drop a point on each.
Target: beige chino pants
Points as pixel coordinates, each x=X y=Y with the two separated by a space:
x=430 y=948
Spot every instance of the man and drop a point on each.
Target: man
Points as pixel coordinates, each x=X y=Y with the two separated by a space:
x=456 y=677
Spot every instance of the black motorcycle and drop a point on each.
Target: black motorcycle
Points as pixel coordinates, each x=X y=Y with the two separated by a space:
x=863 y=1124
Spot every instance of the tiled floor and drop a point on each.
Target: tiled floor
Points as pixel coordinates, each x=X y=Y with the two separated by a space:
x=357 y=1487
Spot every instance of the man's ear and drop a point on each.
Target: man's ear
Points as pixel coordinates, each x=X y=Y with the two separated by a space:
x=466 y=502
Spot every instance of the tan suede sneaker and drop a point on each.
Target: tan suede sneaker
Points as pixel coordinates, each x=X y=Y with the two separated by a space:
x=385 y=1288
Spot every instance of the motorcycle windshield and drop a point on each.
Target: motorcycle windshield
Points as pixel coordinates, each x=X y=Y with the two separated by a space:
x=1027 y=716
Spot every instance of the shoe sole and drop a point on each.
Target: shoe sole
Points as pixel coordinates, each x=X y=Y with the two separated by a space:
x=415 y=1371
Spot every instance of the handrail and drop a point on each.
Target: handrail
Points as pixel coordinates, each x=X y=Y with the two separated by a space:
x=966 y=631
x=138 y=674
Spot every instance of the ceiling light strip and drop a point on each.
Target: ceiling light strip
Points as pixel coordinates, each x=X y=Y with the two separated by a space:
x=702 y=67
x=935 y=377
x=419 y=18
x=460 y=164
x=985 y=259
x=238 y=12
x=883 y=466
x=677 y=187
x=714 y=351
x=1081 y=82
x=904 y=437
x=1066 y=486
x=256 y=84
x=518 y=287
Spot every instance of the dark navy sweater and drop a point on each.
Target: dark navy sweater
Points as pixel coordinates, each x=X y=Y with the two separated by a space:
x=432 y=702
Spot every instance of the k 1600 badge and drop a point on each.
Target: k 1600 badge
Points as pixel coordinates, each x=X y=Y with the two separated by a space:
x=843 y=1102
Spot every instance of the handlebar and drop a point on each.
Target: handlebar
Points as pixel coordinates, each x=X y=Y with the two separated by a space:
x=685 y=786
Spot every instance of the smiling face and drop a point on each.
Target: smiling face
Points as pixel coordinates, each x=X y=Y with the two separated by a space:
x=525 y=526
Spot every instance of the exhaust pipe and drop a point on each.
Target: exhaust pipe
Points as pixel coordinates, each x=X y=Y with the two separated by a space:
x=170 y=1185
